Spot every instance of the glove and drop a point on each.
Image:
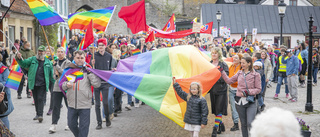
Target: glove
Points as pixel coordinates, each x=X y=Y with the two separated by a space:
x=245 y=93
x=220 y=69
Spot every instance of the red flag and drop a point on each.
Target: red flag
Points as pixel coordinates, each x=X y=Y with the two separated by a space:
x=170 y=26
x=151 y=37
x=239 y=42
x=135 y=16
x=207 y=28
x=89 y=38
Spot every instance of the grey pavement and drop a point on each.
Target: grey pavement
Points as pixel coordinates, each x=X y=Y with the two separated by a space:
x=145 y=121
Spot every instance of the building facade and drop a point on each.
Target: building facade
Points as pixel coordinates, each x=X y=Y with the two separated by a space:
x=17 y=23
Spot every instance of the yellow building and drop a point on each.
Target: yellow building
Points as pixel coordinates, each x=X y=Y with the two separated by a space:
x=17 y=24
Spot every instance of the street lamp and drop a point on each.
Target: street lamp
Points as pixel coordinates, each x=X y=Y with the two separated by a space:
x=218 y=14
x=309 y=106
x=282 y=10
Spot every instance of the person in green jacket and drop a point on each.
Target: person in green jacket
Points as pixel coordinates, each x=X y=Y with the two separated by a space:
x=26 y=52
x=39 y=76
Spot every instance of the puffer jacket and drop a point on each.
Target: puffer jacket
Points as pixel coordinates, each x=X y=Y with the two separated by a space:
x=79 y=96
x=197 y=109
x=60 y=69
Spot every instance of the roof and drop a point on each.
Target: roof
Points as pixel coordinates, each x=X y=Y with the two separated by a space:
x=20 y=6
x=263 y=17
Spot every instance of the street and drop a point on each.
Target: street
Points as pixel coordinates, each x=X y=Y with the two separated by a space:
x=145 y=121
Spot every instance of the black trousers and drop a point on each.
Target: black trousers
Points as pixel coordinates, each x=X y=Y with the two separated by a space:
x=57 y=99
x=51 y=85
x=117 y=100
x=39 y=94
x=21 y=86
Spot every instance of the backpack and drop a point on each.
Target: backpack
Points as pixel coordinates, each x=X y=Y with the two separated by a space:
x=300 y=65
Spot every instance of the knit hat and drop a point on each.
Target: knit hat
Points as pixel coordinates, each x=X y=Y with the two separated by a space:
x=42 y=48
x=104 y=41
x=257 y=63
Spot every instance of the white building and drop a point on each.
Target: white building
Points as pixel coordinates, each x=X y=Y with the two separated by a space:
x=288 y=2
x=266 y=19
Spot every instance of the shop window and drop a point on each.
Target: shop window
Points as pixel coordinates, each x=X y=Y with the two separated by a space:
x=286 y=41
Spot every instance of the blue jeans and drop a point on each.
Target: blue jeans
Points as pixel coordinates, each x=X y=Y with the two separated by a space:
x=80 y=129
x=235 y=116
x=279 y=85
x=263 y=86
x=315 y=72
x=111 y=99
x=5 y=121
x=130 y=99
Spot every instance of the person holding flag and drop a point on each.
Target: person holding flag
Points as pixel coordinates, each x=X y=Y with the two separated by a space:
x=4 y=73
x=58 y=65
x=39 y=76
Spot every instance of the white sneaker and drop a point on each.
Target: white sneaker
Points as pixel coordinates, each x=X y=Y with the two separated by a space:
x=313 y=84
x=111 y=116
x=128 y=107
x=136 y=105
x=103 y=120
x=53 y=129
x=67 y=128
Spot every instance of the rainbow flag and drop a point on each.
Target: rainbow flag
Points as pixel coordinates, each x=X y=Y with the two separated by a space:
x=64 y=44
x=277 y=49
x=314 y=56
x=136 y=52
x=100 y=17
x=44 y=12
x=82 y=33
x=80 y=47
x=228 y=40
x=13 y=80
x=100 y=32
x=15 y=66
x=148 y=77
x=124 y=54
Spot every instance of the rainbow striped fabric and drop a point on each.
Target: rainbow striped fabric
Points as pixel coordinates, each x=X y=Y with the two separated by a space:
x=80 y=47
x=136 y=52
x=2 y=69
x=44 y=12
x=228 y=40
x=277 y=49
x=100 y=17
x=82 y=33
x=314 y=56
x=100 y=32
x=15 y=66
x=13 y=80
x=64 y=44
x=75 y=76
x=149 y=75
x=124 y=53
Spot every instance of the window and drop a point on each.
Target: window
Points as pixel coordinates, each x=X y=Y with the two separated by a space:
x=29 y=33
x=276 y=2
x=286 y=41
x=66 y=7
x=12 y=34
x=249 y=37
x=21 y=32
x=293 y=3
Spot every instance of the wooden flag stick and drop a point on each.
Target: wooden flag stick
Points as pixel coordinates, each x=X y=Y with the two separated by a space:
x=94 y=50
x=47 y=41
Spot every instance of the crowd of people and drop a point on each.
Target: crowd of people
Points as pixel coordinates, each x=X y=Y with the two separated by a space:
x=253 y=62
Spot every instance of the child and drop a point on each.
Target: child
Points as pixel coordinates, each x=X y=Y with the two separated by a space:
x=197 y=109
x=258 y=68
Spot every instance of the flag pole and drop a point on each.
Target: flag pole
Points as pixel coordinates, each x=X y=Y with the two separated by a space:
x=94 y=50
x=47 y=41
x=7 y=11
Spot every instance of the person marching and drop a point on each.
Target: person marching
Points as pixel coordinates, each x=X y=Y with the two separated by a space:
x=59 y=65
x=234 y=68
x=218 y=93
x=196 y=115
x=249 y=85
x=40 y=74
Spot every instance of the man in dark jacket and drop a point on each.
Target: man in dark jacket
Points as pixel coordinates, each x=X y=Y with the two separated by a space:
x=40 y=74
x=26 y=53
x=102 y=61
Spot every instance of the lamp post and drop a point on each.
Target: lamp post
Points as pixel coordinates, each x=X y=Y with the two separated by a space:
x=309 y=106
x=218 y=14
x=282 y=10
